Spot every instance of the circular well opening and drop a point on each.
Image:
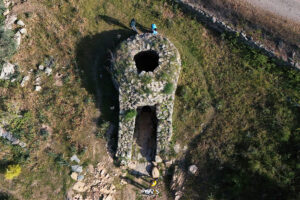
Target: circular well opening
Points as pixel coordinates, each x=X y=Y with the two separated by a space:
x=146 y=61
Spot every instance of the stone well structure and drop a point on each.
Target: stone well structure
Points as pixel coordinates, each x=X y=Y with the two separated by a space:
x=145 y=71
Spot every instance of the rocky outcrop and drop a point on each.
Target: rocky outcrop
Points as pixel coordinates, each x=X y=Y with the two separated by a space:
x=152 y=88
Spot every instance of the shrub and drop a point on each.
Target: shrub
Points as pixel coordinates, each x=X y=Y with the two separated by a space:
x=7 y=44
x=146 y=79
x=12 y=171
x=169 y=87
x=130 y=114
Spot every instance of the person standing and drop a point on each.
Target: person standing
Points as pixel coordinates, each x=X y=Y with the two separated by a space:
x=154 y=29
x=132 y=25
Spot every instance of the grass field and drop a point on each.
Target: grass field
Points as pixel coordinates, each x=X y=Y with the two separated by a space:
x=249 y=105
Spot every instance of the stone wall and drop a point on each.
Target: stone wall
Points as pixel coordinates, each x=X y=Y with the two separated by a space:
x=155 y=88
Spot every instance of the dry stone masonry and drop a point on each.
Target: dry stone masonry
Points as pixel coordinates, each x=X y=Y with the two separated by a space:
x=145 y=87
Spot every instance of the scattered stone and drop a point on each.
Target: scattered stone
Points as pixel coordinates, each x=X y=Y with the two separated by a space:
x=20 y=23
x=25 y=80
x=23 y=31
x=41 y=67
x=75 y=158
x=38 y=88
x=80 y=178
x=108 y=197
x=177 y=148
x=18 y=38
x=48 y=71
x=38 y=81
x=9 y=21
x=74 y=176
x=8 y=70
x=193 y=169
x=155 y=172
x=158 y=159
x=77 y=197
x=80 y=187
x=168 y=164
x=154 y=164
x=6 y=12
x=76 y=168
x=58 y=81
x=22 y=144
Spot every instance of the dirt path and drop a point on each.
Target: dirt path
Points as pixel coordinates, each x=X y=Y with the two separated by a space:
x=286 y=8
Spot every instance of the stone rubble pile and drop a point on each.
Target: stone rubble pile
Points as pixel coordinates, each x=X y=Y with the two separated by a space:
x=98 y=185
x=145 y=88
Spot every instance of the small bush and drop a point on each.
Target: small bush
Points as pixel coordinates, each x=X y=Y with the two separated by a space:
x=146 y=79
x=12 y=171
x=130 y=114
x=169 y=87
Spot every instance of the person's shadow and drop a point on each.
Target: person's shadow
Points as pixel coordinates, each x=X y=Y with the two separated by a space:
x=113 y=21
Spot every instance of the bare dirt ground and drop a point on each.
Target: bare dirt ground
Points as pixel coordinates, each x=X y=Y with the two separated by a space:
x=275 y=23
x=289 y=9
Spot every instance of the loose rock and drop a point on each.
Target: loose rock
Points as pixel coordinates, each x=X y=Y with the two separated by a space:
x=38 y=88
x=25 y=80
x=23 y=31
x=74 y=176
x=20 y=23
x=155 y=172
x=193 y=169
x=80 y=187
x=75 y=158
x=76 y=168
x=158 y=159
x=48 y=71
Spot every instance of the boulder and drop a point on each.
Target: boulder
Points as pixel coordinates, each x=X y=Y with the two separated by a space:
x=155 y=172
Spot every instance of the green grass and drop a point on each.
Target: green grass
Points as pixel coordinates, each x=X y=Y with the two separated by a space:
x=244 y=99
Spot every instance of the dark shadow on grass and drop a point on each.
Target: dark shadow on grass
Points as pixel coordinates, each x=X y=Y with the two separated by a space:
x=6 y=196
x=111 y=21
x=93 y=60
x=4 y=164
x=230 y=180
x=143 y=28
